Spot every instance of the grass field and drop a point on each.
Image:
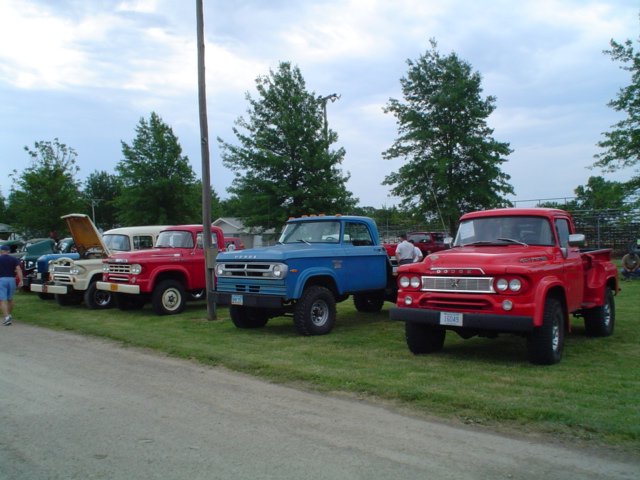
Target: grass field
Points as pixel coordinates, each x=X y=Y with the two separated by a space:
x=591 y=397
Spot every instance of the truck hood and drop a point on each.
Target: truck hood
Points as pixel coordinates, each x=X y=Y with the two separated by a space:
x=491 y=259
x=280 y=253
x=85 y=234
x=138 y=256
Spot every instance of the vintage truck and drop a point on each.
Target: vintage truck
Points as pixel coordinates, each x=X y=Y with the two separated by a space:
x=318 y=261
x=73 y=280
x=514 y=271
x=35 y=263
x=427 y=242
x=167 y=275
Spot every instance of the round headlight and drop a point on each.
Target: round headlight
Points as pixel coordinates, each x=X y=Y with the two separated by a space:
x=515 y=285
x=404 y=282
x=136 y=269
x=415 y=282
x=279 y=271
x=219 y=269
x=105 y=267
x=507 y=305
x=502 y=284
x=408 y=300
x=74 y=270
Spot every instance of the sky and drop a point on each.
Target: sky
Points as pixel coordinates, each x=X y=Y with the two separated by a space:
x=87 y=71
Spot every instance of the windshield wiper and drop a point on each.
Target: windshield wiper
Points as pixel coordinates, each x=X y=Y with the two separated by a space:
x=511 y=240
x=303 y=240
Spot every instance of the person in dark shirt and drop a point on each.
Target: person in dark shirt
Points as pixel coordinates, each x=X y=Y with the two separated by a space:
x=9 y=269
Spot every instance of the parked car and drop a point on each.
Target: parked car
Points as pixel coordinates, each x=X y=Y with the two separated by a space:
x=235 y=241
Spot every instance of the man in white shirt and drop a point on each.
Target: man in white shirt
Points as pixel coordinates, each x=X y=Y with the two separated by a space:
x=417 y=253
x=404 y=251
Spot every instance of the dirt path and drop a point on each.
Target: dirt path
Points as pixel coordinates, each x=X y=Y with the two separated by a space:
x=74 y=407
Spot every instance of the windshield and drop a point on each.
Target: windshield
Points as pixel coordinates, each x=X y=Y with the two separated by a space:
x=504 y=230
x=118 y=243
x=175 y=239
x=311 y=232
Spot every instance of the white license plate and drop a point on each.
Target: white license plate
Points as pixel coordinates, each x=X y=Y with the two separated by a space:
x=451 y=319
x=236 y=300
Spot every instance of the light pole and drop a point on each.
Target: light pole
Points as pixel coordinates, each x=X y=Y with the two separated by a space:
x=333 y=97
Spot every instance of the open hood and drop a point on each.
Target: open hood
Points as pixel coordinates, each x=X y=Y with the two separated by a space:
x=85 y=234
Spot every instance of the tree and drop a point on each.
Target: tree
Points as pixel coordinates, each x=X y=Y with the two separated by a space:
x=100 y=193
x=283 y=163
x=600 y=194
x=158 y=184
x=453 y=163
x=45 y=190
x=622 y=144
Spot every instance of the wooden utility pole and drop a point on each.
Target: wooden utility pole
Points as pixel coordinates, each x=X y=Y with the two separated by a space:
x=210 y=253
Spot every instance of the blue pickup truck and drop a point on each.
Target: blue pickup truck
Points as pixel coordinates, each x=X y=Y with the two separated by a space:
x=318 y=262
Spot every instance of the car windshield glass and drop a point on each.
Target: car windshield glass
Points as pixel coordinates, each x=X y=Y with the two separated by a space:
x=118 y=243
x=311 y=232
x=510 y=230
x=175 y=239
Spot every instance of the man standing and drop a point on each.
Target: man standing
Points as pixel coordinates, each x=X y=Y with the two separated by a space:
x=9 y=268
x=417 y=253
x=404 y=251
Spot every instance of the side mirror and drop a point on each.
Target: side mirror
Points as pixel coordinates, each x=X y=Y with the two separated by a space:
x=448 y=241
x=576 y=240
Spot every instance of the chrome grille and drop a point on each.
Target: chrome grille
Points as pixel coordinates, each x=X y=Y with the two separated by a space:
x=259 y=270
x=458 y=284
x=119 y=268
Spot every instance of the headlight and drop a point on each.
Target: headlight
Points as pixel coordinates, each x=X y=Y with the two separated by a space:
x=136 y=269
x=105 y=267
x=502 y=285
x=404 y=282
x=280 y=270
x=515 y=285
x=74 y=270
x=415 y=282
x=219 y=269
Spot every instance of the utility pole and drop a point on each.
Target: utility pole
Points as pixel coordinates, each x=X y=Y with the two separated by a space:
x=209 y=253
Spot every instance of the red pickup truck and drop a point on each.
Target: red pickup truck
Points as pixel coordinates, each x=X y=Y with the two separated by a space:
x=167 y=275
x=427 y=242
x=515 y=271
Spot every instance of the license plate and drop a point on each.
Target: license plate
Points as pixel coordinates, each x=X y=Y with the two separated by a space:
x=236 y=300
x=113 y=287
x=451 y=319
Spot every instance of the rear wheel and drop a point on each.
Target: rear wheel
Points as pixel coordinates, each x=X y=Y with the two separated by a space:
x=315 y=312
x=599 y=321
x=545 y=343
x=97 y=299
x=248 y=317
x=168 y=298
x=368 y=302
x=424 y=338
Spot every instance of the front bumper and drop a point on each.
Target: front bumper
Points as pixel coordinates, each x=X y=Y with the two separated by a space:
x=53 y=289
x=477 y=321
x=118 y=288
x=247 y=300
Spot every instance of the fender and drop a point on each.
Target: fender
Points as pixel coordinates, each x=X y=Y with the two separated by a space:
x=173 y=268
x=308 y=273
x=542 y=289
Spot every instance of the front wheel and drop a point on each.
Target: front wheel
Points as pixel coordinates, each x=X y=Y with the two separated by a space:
x=599 y=321
x=424 y=338
x=168 y=298
x=248 y=317
x=97 y=299
x=315 y=312
x=545 y=343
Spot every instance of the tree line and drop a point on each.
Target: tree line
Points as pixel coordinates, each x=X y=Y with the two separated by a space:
x=285 y=162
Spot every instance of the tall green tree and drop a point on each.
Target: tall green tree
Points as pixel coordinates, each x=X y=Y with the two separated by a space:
x=158 y=184
x=101 y=189
x=622 y=144
x=283 y=162
x=452 y=161
x=600 y=194
x=45 y=190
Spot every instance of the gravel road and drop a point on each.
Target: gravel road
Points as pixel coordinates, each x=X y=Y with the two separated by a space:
x=74 y=407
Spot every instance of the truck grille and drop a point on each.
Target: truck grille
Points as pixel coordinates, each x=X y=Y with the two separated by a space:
x=258 y=270
x=64 y=269
x=119 y=268
x=458 y=284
